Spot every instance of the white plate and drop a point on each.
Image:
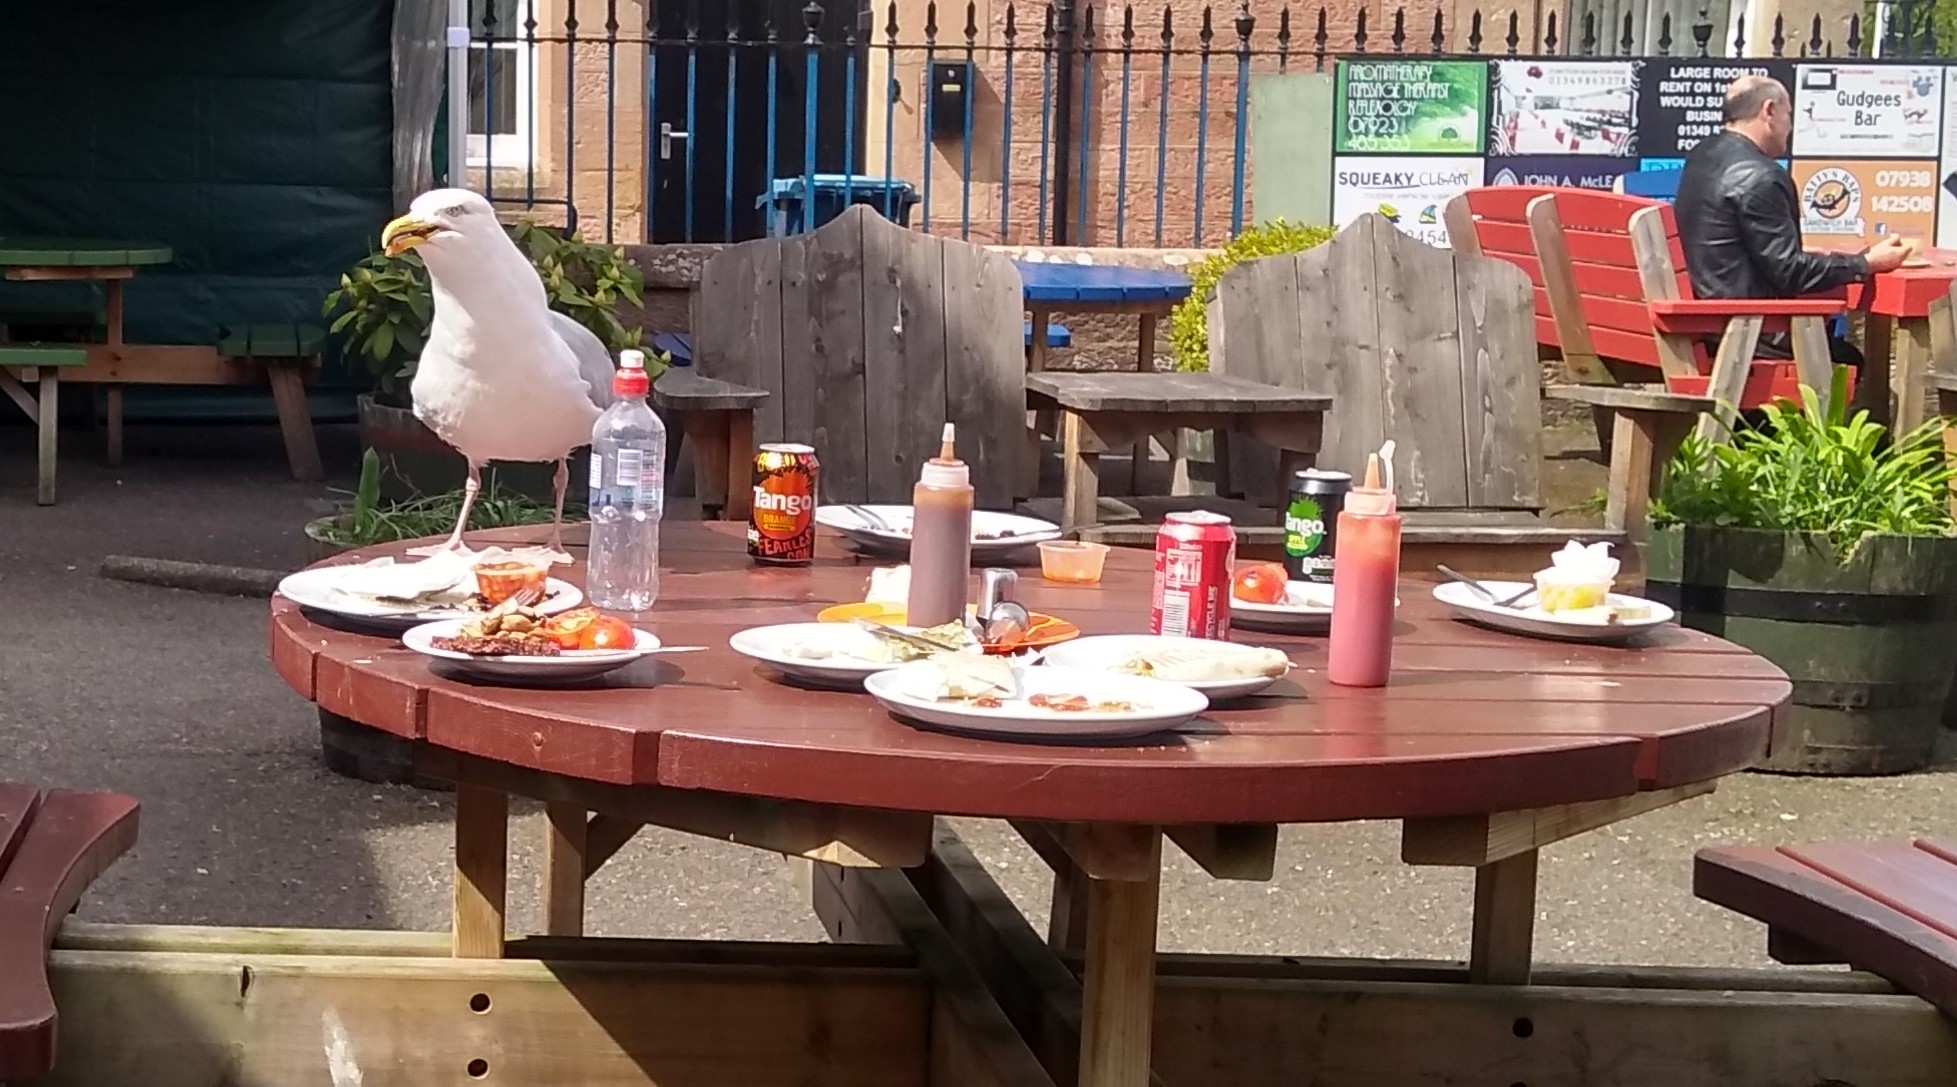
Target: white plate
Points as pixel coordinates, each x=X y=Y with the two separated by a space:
x=1026 y=531
x=1106 y=653
x=318 y=588
x=770 y=644
x=1467 y=604
x=1160 y=706
x=567 y=667
x=1307 y=607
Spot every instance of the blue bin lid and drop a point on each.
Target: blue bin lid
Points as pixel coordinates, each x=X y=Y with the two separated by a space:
x=789 y=189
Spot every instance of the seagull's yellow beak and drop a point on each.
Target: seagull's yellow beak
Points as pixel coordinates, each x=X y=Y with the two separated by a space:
x=405 y=233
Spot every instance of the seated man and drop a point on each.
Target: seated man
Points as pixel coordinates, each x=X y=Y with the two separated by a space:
x=1740 y=222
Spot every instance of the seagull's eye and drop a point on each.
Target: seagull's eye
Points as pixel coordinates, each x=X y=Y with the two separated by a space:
x=454 y=211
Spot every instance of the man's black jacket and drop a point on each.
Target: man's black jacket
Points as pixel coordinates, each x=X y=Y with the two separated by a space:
x=1740 y=223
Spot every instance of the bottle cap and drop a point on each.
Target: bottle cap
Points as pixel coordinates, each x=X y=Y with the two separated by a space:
x=1375 y=498
x=631 y=379
x=945 y=469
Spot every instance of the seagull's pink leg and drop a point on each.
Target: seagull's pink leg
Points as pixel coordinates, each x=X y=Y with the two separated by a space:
x=559 y=484
x=470 y=487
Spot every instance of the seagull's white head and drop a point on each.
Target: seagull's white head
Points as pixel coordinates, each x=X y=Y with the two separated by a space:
x=446 y=221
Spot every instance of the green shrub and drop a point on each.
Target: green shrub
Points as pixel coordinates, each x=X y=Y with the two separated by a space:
x=384 y=305
x=1189 y=329
x=367 y=520
x=1799 y=470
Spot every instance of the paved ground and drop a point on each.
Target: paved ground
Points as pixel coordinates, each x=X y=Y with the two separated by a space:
x=167 y=695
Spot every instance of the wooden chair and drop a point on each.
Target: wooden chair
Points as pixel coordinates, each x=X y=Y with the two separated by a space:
x=867 y=338
x=1434 y=349
x=53 y=843
x=1612 y=271
x=1889 y=907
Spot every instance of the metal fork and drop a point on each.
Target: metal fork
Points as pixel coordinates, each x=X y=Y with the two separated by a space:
x=869 y=517
x=1487 y=593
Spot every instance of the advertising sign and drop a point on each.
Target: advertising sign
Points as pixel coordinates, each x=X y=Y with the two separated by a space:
x=1565 y=107
x=1681 y=101
x=1847 y=204
x=1867 y=111
x=1410 y=106
x=1570 y=172
x=1947 y=169
x=1409 y=191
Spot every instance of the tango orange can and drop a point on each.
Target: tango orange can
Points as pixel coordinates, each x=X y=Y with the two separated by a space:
x=781 y=528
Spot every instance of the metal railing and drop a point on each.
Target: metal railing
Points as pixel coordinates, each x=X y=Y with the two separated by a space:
x=1079 y=122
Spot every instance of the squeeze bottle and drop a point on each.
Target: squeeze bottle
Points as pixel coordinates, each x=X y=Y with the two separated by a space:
x=1365 y=577
x=941 y=539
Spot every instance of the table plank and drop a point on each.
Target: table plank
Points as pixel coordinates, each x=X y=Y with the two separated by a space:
x=1053 y=284
x=1180 y=393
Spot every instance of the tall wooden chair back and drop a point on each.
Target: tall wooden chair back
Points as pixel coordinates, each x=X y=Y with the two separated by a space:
x=1493 y=221
x=870 y=338
x=1431 y=348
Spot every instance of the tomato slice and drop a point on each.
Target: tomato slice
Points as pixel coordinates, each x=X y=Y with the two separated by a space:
x=567 y=628
x=607 y=632
x=1259 y=583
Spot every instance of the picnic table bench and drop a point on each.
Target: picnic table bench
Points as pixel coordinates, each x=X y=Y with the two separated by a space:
x=53 y=843
x=1887 y=907
x=1103 y=411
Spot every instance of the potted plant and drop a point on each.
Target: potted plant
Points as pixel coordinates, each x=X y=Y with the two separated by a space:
x=382 y=309
x=1810 y=541
x=369 y=518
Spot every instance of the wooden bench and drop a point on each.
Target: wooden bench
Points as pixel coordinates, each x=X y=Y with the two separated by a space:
x=39 y=365
x=287 y=353
x=53 y=843
x=1612 y=269
x=717 y=419
x=1103 y=411
x=1886 y=907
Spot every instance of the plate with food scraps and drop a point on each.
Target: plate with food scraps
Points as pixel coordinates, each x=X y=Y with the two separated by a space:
x=1045 y=630
x=887 y=529
x=1304 y=608
x=1221 y=670
x=989 y=696
x=1619 y=618
x=829 y=654
x=527 y=657
x=403 y=594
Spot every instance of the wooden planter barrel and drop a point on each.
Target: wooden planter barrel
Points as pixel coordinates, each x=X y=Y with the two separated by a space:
x=1871 y=644
x=415 y=462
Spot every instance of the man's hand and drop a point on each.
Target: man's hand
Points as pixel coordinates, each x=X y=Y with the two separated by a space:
x=1888 y=254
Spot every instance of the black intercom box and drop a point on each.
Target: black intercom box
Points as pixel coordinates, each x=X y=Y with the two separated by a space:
x=951 y=89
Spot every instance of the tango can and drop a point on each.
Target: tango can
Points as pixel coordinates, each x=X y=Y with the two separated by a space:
x=781 y=524
x=1194 y=553
x=1311 y=523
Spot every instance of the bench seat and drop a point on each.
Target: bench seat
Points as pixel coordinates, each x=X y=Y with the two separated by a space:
x=287 y=351
x=53 y=844
x=41 y=403
x=1887 y=907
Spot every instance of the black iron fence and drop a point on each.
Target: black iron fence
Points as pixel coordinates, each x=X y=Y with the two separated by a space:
x=1071 y=122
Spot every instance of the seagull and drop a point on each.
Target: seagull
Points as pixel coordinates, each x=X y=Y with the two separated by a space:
x=502 y=376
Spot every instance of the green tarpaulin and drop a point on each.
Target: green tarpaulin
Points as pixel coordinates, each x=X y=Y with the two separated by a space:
x=252 y=137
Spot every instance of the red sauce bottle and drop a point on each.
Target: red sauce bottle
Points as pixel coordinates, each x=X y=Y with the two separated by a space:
x=1365 y=579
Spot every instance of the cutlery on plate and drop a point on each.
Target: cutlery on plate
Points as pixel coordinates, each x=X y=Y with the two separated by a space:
x=1486 y=593
x=930 y=645
x=869 y=517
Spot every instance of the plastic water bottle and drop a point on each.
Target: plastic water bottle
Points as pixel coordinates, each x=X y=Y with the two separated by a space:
x=628 y=494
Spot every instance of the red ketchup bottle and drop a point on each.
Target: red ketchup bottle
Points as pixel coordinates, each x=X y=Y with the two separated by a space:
x=1365 y=578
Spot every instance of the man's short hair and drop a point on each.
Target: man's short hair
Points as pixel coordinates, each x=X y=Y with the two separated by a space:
x=1749 y=94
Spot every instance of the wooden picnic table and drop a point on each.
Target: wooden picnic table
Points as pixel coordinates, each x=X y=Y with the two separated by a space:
x=1485 y=746
x=1898 y=304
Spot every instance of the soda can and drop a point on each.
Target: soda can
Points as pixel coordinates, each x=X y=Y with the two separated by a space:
x=781 y=525
x=1194 y=553
x=1311 y=523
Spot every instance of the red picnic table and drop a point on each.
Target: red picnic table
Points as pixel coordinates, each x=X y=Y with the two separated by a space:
x=1900 y=302
x=1485 y=746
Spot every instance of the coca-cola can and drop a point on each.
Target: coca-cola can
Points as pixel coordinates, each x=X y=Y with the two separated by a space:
x=1194 y=553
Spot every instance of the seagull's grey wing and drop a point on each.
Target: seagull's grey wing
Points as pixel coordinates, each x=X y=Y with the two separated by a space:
x=594 y=361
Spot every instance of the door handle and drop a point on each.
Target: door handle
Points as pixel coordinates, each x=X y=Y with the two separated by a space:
x=666 y=138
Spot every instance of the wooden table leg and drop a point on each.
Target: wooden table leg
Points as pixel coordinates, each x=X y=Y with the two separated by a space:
x=1038 y=421
x=1118 y=980
x=112 y=306
x=1947 y=407
x=564 y=868
x=1081 y=494
x=1144 y=364
x=1066 y=926
x=740 y=465
x=48 y=409
x=287 y=377
x=707 y=432
x=482 y=828
x=1872 y=383
x=1505 y=919
x=1642 y=444
x=1913 y=366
